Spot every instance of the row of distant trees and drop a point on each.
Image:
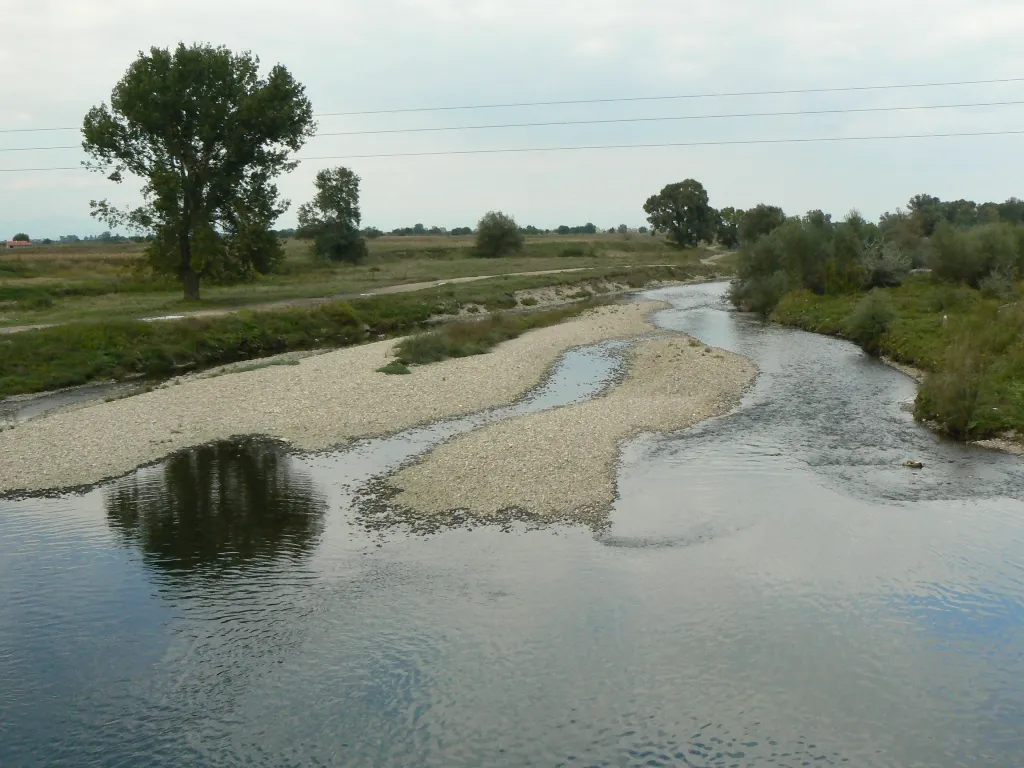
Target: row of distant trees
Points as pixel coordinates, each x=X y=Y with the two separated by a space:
x=104 y=237
x=210 y=198
x=371 y=232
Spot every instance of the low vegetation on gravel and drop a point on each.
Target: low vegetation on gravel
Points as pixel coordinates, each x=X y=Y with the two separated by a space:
x=476 y=337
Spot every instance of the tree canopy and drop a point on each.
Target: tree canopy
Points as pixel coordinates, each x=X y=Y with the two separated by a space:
x=21 y=236
x=207 y=135
x=332 y=217
x=760 y=220
x=683 y=211
x=728 y=227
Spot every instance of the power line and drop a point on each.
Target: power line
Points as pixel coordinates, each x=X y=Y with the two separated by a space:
x=622 y=99
x=789 y=91
x=792 y=113
x=676 y=118
x=716 y=143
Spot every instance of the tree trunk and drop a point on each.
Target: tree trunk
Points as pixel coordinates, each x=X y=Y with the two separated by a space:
x=191 y=281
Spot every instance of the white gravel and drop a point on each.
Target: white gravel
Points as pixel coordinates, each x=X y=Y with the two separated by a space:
x=561 y=464
x=322 y=402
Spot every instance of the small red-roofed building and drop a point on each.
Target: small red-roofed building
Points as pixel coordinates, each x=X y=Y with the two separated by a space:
x=13 y=244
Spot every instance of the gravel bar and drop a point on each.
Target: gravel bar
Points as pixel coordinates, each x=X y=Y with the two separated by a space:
x=561 y=464
x=322 y=402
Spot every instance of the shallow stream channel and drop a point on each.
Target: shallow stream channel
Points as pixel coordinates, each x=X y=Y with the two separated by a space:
x=773 y=588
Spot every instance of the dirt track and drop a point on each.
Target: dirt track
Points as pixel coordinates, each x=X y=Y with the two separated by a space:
x=292 y=303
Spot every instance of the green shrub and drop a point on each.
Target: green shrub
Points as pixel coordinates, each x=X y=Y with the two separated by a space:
x=395 y=368
x=759 y=294
x=950 y=397
x=977 y=389
x=868 y=323
x=969 y=255
x=997 y=285
x=341 y=242
x=529 y=301
x=497 y=235
x=475 y=337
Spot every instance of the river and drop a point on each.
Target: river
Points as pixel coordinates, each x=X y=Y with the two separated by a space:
x=774 y=589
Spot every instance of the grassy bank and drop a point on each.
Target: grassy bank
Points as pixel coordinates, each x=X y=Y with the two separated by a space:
x=66 y=283
x=971 y=347
x=119 y=349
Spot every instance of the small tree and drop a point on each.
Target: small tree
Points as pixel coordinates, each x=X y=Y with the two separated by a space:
x=21 y=236
x=729 y=227
x=869 y=321
x=684 y=212
x=497 y=235
x=332 y=217
x=623 y=229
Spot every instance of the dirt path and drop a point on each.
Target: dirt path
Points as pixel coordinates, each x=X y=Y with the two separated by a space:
x=715 y=257
x=312 y=302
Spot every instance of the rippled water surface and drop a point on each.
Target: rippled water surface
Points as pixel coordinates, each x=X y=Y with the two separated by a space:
x=774 y=589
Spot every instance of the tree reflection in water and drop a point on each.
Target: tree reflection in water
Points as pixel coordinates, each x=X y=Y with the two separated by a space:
x=219 y=507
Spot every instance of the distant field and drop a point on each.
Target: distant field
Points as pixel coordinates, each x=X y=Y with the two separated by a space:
x=93 y=281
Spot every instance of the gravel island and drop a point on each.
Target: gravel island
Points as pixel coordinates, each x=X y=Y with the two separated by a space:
x=561 y=464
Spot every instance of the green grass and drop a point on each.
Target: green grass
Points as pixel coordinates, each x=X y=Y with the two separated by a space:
x=972 y=348
x=395 y=368
x=64 y=356
x=476 y=337
x=103 y=282
x=120 y=349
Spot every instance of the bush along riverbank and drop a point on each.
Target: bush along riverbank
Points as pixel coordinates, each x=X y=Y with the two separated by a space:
x=970 y=347
x=960 y=318
x=79 y=353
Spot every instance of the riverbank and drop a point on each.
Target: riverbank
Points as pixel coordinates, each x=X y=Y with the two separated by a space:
x=320 y=402
x=965 y=349
x=125 y=350
x=561 y=464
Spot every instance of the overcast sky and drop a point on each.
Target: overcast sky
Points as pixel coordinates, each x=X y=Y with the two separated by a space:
x=60 y=57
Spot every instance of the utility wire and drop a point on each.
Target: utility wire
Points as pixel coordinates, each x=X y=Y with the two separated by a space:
x=792 y=113
x=725 y=94
x=728 y=142
x=791 y=91
x=616 y=120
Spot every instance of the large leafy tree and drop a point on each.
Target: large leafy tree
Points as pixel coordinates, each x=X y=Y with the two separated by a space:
x=683 y=211
x=332 y=217
x=21 y=236
x=207 y=135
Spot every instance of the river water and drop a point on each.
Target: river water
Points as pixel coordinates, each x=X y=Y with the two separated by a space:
x=774 y=589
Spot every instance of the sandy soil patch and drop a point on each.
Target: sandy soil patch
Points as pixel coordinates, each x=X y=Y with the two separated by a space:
x=323 y=401
x=560 y=464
